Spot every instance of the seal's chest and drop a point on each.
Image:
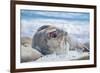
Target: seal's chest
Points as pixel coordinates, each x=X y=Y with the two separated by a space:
x=53 y=43
x=58 y=46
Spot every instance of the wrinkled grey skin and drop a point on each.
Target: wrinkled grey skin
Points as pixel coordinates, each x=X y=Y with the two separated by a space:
x=39 y=41
x=40 y=38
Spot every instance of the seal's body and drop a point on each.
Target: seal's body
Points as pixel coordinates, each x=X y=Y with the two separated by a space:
x=49 y=39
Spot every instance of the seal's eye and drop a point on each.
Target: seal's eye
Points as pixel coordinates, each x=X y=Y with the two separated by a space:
x=53 y=34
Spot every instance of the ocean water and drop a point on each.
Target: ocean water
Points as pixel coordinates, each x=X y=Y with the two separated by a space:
x=75 y=23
